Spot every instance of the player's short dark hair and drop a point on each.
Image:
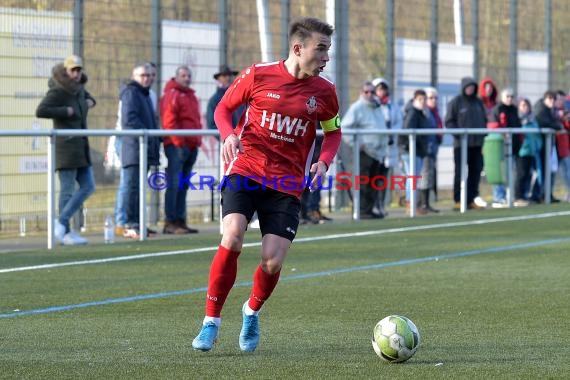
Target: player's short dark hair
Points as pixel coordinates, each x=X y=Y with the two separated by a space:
x=302 y=28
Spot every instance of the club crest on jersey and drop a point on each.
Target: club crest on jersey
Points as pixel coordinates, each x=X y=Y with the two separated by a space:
x=311 y=105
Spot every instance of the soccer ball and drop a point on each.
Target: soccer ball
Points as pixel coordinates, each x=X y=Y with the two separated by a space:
x=395 y=338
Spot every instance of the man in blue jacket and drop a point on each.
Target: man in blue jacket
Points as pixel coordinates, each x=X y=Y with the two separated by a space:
x=136 y=113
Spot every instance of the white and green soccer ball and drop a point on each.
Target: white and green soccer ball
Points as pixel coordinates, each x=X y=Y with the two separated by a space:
x=395 y=338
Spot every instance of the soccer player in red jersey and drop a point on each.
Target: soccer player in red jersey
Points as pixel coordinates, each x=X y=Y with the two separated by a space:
x=267 y=160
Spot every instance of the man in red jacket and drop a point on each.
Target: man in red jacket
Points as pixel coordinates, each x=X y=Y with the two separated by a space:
x=179 y=109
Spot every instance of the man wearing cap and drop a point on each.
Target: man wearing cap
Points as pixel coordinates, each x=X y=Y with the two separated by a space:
x=67 y=103
x=224 y=77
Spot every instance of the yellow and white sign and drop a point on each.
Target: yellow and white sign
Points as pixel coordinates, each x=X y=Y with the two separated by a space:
x=31 y=43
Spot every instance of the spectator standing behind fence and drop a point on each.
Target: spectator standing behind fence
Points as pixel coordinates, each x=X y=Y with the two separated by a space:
x=137 y=114
x=366 y=115
x=121 y=197
x=528 y=157
x=224 y=77
x=429 y=165
x=488 y=93
x=258 y=157
x=563 y=140
x=547 y=119
x=180 y=110
x=311 y=200
x=505 y=115
x=466 y=110
x=67 y=103
x=393 y=118
x=415 y=118
x=151 y=93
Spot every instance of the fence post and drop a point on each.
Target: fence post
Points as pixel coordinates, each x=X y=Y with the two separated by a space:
x=50 y=189
x=547 y=167
x=78 y=15
x=434 y=43
x=285 y=19
x=143 y=175
x=513 y=44
x=475 y=38
x=413 y=170
x=510 y=182
x=355 y=172
x=341 y=45
x=548 y=41
x=156 y=37
x=390 y=38
x=224 y=27
x=463 y=197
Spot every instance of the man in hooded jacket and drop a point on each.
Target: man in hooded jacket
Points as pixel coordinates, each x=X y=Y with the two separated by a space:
x=466 y=110
x=67 y=103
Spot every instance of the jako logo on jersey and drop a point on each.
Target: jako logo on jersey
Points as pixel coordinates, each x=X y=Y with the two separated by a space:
x=284 y=124
x=273 y=95
x=311 y=105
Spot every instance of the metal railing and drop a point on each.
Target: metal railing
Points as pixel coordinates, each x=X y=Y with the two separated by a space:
x=355 y=133
x=463 y=133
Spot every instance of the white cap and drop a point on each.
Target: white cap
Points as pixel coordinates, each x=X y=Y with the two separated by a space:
x=377 y=81
x=430 y=90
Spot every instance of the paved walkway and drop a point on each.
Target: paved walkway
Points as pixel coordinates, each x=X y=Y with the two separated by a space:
x=38 y=240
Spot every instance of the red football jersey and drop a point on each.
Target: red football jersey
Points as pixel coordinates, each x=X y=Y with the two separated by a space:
x=278 y=128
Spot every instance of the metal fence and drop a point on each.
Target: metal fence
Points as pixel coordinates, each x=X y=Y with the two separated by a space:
x=412 y=43
x=50 y=184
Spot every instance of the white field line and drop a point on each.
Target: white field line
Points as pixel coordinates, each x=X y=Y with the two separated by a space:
x=142 y=297
x=299 y=240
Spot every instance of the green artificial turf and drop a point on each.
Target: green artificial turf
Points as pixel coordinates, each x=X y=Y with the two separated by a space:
x=490 y=299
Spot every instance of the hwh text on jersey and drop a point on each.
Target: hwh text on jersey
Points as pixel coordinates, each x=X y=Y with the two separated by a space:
x=294 y=126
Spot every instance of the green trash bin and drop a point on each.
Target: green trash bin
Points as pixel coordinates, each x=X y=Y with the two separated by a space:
x=493 y=158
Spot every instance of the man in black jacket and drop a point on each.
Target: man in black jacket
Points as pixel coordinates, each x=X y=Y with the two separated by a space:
x=224 y=77
x=67 y=103
x=466 y=110
x=415 y=118
x=505 y=115
x=546 y=118
x=136 y=113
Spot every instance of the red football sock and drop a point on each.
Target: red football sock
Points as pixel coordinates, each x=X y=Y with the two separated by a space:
x=263 y=285
x=222 y=277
